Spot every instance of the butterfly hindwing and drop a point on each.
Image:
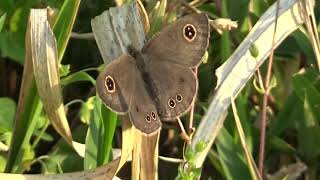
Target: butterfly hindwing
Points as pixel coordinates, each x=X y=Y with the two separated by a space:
x=176 y=87
x=122 y=89
x=143 y=112
x=170 y=55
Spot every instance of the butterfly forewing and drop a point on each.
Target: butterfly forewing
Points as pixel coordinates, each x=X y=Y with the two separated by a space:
x=183 y=42
x=115 y=85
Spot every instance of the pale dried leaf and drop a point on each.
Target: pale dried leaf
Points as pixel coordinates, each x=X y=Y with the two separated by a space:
x=45 y=65
x=238 y=69
x=116 y=29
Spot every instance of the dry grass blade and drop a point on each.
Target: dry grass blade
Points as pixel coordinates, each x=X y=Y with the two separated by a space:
x=101 y=173
x=45 y=69
x=114 y=30
x=309 y=17
x=144 y=17
x=238 y=69
x=149 y=155
x=145 y=155
x=252 y=166
x=129 y=139
x=197 y=2
x=171 y=160
x=136 y=163
x=292 y=171
x=3 y=147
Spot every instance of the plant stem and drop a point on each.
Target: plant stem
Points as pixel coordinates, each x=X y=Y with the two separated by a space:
x=265 y=99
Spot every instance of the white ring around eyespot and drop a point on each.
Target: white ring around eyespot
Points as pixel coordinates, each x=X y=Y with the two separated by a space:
x=177 y=97
x=146 y=116
x=173 y=101
x=114 y=84
x=155 y=117
x=195 y=32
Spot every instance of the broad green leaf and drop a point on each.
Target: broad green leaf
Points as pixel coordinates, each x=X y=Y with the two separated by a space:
x=100 y=135
x=86 y=110
x=206 y=81
x=25 y=122
x=290 y=113
x=62 y=156
x=238 y=11
x=3 y=161
x=242 y=104
x=7 y=113
x=309 y=132
x=64 y=70
x=11 y=46
x=24 y=130
x=304 y=45
x=304 y=87
x=280 y=145
x=259 y=6
x=7 y=6
x=110 y=122
x=231 y=157
x=12 y=38
x=215 y=161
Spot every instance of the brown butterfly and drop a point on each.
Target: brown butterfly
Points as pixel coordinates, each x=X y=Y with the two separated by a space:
x=157 y=82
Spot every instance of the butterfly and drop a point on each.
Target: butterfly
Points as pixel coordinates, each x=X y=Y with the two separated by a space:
x=157 y=83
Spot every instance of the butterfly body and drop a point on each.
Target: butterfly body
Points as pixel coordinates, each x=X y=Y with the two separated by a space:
x=157 y=82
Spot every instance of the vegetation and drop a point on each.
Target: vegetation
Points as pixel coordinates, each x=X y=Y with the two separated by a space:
x=292 y=113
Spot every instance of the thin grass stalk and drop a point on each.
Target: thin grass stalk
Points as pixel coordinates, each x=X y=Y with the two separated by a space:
x=265 y=98
x=252 y=166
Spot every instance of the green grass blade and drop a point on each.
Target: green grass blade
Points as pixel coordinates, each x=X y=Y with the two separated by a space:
x=63 y=25
x=100 y=135
x=2 y=20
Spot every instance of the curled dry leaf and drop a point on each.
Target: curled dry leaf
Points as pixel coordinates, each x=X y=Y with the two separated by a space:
x=45 y=68
x=146 y=153
x=238 y=69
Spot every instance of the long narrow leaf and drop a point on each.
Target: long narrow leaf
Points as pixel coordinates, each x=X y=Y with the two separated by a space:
x=235 y=73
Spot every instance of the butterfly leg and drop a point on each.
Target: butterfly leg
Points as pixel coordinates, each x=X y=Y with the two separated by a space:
x=192 y=129
x=188 y=136
x=184 y=134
